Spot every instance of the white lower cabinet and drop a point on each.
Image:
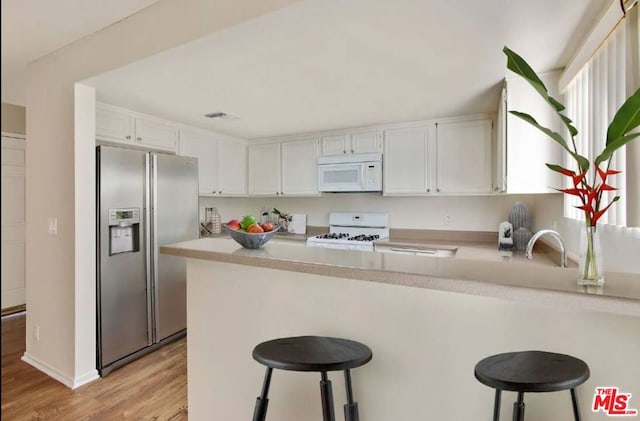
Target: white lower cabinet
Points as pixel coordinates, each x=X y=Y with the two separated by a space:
x=405 y=161
x=221 y=162
x=464 y=157
x=286 y=168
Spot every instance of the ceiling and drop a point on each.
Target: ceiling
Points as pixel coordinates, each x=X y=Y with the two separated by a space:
x=329 y=64
x=33 y=28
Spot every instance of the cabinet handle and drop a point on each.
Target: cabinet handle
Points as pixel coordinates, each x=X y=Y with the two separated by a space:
x=219 y=191
x=428 y=190
x=281 y=193
x=128 y=137
x=438 y=190
x=344 y=151
x=277 y=193
x=138 y=138
x=351 y=150
x=214 y=192
x=496 y=188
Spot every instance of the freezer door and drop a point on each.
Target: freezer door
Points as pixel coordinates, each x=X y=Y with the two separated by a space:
x=122 y=298
x=175 y=219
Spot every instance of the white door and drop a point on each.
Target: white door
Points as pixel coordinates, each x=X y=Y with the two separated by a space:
x=463 y=157
x=300 y=168
x=13 y=236
x=113 y=124
x=264 y=169
x=405 y=161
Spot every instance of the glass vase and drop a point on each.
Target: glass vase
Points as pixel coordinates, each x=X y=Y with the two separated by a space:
x=590 y=270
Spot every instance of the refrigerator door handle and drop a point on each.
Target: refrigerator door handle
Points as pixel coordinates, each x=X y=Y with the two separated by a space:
x=149 y=262
x=154 y=223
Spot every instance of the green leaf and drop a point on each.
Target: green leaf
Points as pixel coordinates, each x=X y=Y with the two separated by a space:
x=518 y=65
x=614 y=146
x=558 y=168
x=626 y=119
x=583 y=163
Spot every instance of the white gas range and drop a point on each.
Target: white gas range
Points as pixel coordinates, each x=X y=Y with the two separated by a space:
x=353 y=231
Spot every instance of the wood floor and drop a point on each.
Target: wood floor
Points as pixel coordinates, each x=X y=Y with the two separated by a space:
x=151 y=388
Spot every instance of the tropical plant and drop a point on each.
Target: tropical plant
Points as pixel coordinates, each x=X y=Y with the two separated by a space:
x=588 y=189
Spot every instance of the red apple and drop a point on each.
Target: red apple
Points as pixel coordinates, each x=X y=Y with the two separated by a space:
x=267 y=226
x=234 y=224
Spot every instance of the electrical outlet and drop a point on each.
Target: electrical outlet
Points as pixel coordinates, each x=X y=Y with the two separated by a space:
x=447 y=220
x=36 y=332
x=52 y=226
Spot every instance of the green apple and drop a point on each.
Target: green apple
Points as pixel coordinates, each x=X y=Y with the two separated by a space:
x=247 y=220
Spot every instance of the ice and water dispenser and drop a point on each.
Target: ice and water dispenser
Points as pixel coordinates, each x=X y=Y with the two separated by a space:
x=124 y=230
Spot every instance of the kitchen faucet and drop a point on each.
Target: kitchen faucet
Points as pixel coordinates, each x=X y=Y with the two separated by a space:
x=554 y=234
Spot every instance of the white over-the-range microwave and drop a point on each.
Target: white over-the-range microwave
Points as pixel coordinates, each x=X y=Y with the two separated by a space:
x=350 y=173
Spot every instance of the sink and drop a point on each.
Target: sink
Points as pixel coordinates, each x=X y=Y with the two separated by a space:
x=417 y=251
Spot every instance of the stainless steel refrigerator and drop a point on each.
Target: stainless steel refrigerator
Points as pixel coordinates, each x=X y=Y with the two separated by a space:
x=144 y=200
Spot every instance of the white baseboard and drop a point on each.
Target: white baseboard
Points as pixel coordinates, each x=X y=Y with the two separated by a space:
x=71 y=383
x=85 y=378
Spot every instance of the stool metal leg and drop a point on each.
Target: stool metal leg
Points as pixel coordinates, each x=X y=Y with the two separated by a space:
x=518 y=408
x=496 y=405
x=260 y=411
x=351 y=407
x=574 y=401
x=326 y=393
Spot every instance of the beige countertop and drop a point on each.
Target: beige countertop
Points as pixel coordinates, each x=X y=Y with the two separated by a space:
x=476 y=269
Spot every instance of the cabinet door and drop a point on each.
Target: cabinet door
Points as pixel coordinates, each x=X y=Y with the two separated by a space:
x=463 y=157
x=500 y=180
x=156 y=135
x=300 y=168
x=405 y=161
x=366 y=142
x=528 y=149
x=335 y=144
x=113 y=124
x=264 y=169
x=232 y=168
x=205 y=148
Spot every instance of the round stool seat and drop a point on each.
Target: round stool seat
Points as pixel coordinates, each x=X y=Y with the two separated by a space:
x=312 y=353
x=532 y=371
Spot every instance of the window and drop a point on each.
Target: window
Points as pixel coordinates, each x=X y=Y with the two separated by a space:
x=592 y=98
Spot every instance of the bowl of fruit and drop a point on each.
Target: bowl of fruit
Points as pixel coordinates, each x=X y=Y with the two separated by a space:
x=249 y=233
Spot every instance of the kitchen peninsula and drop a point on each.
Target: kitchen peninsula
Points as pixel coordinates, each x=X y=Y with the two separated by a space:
x=428 y=321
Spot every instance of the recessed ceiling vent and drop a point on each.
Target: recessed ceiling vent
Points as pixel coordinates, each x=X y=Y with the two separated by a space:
x=221 y=116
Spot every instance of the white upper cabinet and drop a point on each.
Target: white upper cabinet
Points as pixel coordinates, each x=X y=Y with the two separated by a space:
x=300 y=167
x=204 y=147
x=288 y=168
x=405 y=161
x=119 y=125
x=349 y=143
x=528 y=149
x=221 y=162
x=232 y=167
x=264 y=169
x=464 y=157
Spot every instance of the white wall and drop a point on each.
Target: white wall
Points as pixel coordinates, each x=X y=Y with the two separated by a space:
x=620 y=245
x=468 y=213
x=57 y=287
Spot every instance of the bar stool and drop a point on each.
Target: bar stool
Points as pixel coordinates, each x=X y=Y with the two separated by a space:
x=312 y=353
x=531 y=371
